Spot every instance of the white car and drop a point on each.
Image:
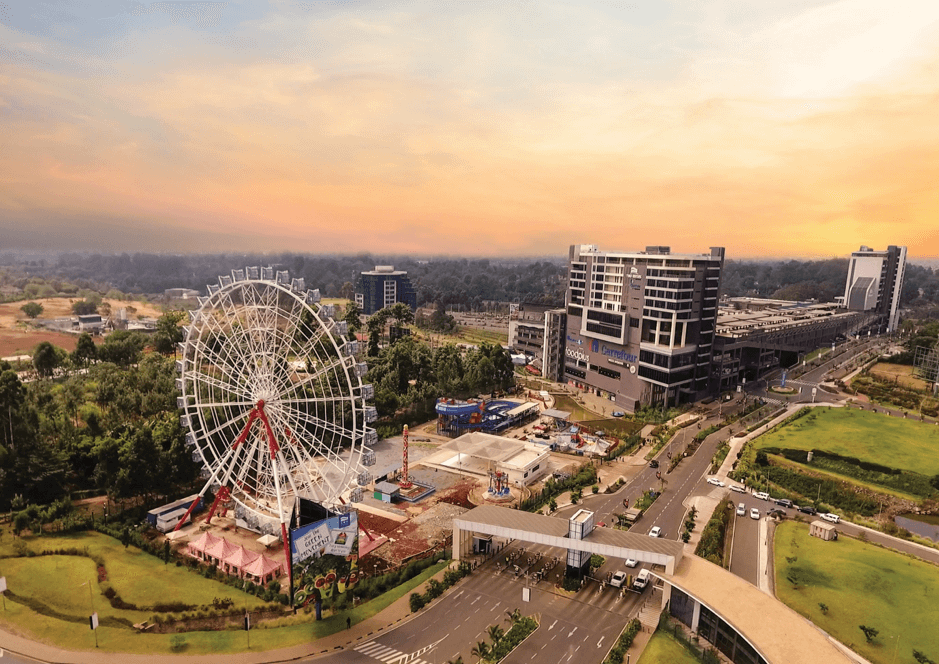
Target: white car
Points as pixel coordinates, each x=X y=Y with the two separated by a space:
x=631 y=563
x=655 y=532
x=754 y=513
x=762 y=495
x=715 y=481
x=741 y=510
x=828 y=516
x=738 y=488
x=618 y=579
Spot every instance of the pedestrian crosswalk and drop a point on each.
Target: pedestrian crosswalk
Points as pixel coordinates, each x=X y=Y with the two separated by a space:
x=386 y=654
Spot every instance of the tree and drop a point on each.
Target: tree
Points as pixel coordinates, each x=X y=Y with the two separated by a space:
x=46 y=359
x=416 y=602
x=168 y=332
x=84 y=308
x=32 y=309
x=85 y=350
x=869 y=632
x=495 y=633
x=481 y=650
x=352 y=317
x=513 y=616
x=402 y=313
x=122 y=347
x=921 y=657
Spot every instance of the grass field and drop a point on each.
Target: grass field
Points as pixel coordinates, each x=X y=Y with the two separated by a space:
x=889 y=441
x=663 y=648
x=61 y=584
x=861 y=584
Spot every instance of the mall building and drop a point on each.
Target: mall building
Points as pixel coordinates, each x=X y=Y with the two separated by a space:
x=641 y=325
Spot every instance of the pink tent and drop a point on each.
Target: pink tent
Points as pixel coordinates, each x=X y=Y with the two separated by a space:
x=236 y=562
x=219 y=551
x=263 y=569
x=198 y=547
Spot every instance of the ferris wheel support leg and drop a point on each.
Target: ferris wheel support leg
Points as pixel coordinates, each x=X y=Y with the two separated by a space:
x=224 y=465
x=274 y=451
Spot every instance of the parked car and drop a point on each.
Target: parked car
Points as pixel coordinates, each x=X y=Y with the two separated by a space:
x=653 y=464
x=754 y=513
x=828 y=516
x=618 y=413
x=715 y=481
x=784 y=502
x=808 y=509
x=762 y=495
x=655 y=532
x=618 y=579
x=738 y=488
x=642 y=580
x=741 y=510
x=776 y=513
x=631 y=563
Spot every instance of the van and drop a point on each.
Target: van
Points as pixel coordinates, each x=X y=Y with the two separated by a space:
x=834 y=518
x=642 y=580
x=762 y=495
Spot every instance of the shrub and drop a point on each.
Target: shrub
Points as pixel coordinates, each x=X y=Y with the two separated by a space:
x=417 y=602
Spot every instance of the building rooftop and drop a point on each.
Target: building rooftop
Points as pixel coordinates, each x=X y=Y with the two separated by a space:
x=780 y=634
x=742 y=316
x=385 y=270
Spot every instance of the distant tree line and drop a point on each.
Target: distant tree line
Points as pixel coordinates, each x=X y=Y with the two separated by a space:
x=468 y=283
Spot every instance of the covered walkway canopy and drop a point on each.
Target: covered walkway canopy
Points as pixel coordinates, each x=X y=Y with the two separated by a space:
x=551 y=531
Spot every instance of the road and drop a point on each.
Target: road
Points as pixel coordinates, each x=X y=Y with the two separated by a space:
x=578 y=629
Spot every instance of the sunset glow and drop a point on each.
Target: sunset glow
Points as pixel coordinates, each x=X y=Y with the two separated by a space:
x=777 y=129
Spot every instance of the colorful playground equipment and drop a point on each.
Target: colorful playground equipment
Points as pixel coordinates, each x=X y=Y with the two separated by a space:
x=455 y=417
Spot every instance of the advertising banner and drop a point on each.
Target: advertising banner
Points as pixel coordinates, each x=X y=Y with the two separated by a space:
x=325 y=557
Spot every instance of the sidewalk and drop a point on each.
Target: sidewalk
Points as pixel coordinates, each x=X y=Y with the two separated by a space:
x=397 y=613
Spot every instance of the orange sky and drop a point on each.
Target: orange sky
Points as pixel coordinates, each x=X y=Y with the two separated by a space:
x=802 y=129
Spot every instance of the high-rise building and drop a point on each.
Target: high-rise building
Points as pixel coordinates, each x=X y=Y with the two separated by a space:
x=640 y=326
x=538 y=331
x=875 y=282
x=383 y=287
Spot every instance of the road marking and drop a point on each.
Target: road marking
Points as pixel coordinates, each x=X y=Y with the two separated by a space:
x=600 y=642
x=552 y=625
x=571 y=632
x=478 y=597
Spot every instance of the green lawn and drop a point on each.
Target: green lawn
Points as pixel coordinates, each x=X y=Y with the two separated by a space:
x=861 y=584
x=59 y=586
x=663 y=648
x=890 y=441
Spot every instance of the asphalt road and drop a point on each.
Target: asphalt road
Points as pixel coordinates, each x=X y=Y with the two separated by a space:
x=573 y=629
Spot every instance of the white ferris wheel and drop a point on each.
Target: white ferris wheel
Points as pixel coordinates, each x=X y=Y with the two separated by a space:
x=272 y=394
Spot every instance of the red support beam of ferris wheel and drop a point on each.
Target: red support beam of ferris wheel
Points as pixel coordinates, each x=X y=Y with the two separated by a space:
x=274 y=449
x=223 y=493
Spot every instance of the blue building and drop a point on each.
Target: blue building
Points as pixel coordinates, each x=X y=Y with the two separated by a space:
x=383 y=287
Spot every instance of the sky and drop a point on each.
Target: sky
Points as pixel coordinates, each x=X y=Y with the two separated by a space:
x=774 y=128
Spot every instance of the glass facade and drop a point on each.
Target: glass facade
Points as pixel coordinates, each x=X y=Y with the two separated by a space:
x=713 y=629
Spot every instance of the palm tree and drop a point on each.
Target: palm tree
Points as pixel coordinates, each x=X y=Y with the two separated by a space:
x=495 y=633
x=513 y=616
x=458 y=660
x=480 y=650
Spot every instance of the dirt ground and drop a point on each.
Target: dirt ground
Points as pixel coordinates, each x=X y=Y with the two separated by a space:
x=18 y=338
x=899 y=373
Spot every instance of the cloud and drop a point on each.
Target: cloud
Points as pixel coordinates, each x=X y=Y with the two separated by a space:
x=476 y=129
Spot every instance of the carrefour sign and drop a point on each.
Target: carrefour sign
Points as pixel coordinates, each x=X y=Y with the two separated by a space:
x=574 y=340
x=603 y=349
